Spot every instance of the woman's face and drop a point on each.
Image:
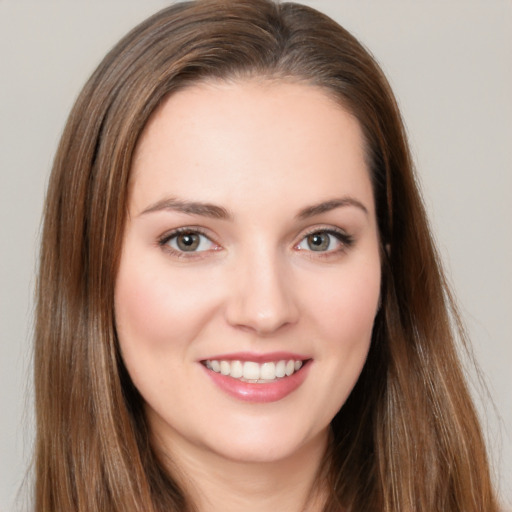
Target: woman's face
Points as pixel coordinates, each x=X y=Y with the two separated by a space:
x=250 y=273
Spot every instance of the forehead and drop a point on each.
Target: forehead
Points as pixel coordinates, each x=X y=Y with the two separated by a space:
x=250 y=139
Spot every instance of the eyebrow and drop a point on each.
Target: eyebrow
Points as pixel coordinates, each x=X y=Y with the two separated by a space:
x=218 y=212
x=327 y=206
x=189 y=207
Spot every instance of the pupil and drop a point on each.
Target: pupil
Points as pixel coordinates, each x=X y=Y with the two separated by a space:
x=188 y=242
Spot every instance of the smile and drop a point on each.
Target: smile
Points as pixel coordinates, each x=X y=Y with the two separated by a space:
x=253 y=372
x=258 y=378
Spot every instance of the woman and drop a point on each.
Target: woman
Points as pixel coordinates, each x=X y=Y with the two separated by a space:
x=240 y=304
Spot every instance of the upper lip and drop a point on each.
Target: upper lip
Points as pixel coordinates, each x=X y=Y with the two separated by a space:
x=258 y=357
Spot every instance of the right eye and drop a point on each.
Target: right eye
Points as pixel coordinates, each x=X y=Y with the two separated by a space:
x=187 y=241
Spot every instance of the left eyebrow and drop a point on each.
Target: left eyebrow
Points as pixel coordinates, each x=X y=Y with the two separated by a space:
x=332 y=204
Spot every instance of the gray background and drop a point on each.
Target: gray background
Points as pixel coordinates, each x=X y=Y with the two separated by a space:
x=450 y=64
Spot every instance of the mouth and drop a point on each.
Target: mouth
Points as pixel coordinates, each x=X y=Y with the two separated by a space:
x=254 y=372
x=257 y=378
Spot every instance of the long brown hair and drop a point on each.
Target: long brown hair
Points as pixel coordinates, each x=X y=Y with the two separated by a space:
x=407 y=439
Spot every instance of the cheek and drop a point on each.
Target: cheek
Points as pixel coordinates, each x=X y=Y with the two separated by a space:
x=143 y=314
x=345 y=307
x=157 y=316
x=343 y=312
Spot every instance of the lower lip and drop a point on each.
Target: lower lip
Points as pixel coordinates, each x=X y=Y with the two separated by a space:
x=260 y=393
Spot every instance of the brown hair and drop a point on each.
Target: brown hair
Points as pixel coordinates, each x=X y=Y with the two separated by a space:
x=407 y=439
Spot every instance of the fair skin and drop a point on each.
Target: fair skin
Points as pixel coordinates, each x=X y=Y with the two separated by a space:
x=275 y=270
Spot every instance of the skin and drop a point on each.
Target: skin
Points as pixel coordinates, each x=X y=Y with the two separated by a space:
x=262 y=152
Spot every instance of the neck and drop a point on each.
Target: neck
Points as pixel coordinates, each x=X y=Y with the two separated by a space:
x=216 y=484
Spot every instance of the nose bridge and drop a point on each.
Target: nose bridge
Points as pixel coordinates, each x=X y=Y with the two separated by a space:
x=262 y=297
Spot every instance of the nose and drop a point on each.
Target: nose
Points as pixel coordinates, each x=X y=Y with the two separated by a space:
x=262 y=298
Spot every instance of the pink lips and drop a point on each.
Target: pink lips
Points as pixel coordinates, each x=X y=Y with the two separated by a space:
x=260 y=392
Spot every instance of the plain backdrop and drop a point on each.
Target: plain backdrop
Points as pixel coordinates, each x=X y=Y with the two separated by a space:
x=450 y=64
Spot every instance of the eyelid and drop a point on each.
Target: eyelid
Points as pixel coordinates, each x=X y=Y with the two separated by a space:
x=165 y=237
x=163 y=241
x=345 y=239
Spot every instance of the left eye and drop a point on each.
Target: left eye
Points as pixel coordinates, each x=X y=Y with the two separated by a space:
x=190 y=241
x=320 y=241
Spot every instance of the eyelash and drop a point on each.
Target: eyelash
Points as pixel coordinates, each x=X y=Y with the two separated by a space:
x=163 y=241
x=346 y=241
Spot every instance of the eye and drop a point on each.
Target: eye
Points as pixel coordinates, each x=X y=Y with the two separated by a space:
x=325 y=241
x=183 y=241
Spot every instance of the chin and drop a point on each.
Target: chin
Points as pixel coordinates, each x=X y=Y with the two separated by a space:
x=258 y=445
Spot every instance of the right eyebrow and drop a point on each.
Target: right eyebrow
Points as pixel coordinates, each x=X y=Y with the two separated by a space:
x=189 y=207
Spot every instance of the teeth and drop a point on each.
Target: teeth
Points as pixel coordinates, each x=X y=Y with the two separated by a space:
x=280 y=369
x=251 y=370
x=237 y=369
x=225 y=368
x=268 y=371
x=255 y=372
